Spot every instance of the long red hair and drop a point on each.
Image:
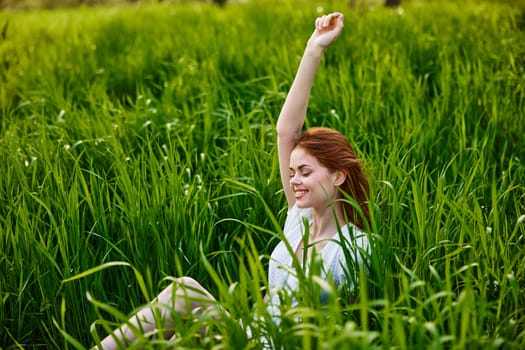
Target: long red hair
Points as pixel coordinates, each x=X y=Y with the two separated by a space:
x=335 y=153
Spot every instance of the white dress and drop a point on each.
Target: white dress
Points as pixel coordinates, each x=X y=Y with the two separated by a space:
x=282 y=272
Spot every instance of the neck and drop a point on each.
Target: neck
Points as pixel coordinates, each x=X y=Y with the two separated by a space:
x=325 y=221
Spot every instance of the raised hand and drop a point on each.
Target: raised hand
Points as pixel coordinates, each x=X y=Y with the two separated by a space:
x=293 y=113
x=327 y=29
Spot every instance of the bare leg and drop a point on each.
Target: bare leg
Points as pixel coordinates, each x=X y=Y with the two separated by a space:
x=184 y=296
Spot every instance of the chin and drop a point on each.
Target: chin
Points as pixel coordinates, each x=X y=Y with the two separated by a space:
x=302 y=205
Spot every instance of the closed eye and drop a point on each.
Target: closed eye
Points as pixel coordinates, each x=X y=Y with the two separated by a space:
x=304 y=174
x=304 y=170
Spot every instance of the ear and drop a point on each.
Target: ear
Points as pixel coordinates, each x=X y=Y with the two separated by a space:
x=339 y=178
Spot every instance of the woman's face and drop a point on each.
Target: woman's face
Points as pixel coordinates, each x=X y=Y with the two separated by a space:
x=313 y=184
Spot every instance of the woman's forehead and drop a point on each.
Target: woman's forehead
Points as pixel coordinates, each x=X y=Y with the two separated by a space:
x=300 y=158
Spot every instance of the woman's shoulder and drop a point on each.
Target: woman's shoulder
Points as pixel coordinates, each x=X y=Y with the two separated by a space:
x=348 y=238
x=295 y=219
x=355 y=235
x=296 y=214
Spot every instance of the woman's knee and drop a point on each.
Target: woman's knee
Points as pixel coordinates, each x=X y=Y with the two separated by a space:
x=183 y=287
x=186 y=281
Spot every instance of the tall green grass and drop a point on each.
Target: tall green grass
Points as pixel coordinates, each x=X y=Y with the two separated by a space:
x=138 y=144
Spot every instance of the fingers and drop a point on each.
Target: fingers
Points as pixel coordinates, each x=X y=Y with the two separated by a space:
x=326 y=21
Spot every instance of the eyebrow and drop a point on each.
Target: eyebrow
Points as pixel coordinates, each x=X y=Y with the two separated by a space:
x=300 y=167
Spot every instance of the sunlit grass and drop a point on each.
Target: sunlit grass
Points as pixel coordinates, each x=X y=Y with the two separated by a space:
x=138 y=145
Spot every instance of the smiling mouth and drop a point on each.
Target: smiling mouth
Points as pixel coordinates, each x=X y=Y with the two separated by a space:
x=300 y=194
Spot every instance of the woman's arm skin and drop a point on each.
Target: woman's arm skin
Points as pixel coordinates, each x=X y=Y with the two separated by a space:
x=293 y=113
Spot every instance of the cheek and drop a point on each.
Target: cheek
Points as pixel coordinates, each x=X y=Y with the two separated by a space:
x=328 y=183
x=322 y=184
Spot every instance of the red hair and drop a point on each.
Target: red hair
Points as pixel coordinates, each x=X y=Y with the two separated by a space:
x=335 y=153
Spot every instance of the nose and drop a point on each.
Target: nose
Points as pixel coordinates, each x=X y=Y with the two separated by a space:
x=294 y=180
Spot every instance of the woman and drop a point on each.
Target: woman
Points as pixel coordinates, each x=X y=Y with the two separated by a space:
x=317 y=169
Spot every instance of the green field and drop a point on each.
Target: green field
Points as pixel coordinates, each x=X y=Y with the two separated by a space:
x=138 y=144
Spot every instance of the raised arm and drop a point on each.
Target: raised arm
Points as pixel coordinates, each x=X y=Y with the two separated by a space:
x=293 y=113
